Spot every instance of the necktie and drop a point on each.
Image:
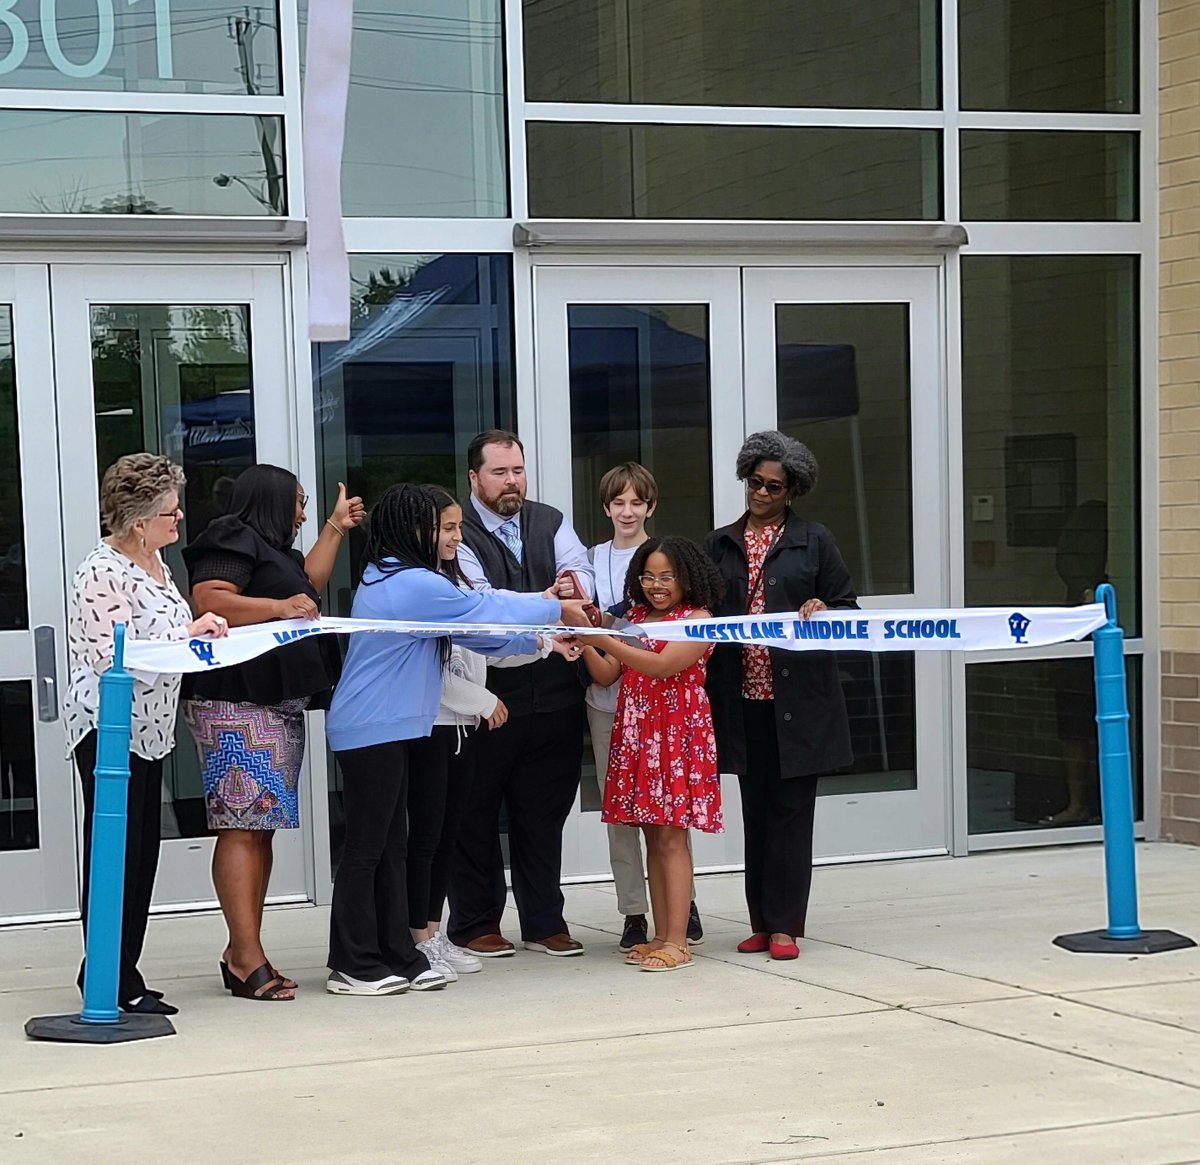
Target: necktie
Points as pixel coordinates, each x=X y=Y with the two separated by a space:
x=511 y=537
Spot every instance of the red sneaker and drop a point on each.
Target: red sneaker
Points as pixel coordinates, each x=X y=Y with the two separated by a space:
x=788 y=950
x=758 y=942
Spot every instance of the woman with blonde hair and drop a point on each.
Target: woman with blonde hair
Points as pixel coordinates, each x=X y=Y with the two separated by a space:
x=123 y=579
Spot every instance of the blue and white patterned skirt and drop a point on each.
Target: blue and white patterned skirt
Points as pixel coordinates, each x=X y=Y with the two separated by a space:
x=250 y=756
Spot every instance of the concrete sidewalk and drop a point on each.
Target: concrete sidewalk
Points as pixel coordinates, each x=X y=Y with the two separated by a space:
x=928 y=1019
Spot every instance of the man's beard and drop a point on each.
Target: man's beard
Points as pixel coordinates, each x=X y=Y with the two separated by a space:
x=507 y=504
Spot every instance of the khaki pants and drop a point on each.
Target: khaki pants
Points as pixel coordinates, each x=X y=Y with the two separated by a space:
x=624 y=841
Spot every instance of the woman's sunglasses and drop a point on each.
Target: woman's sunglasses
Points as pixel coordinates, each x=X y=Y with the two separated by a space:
x=758 y=485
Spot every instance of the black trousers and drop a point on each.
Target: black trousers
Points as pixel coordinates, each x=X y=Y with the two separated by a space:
x=429 y=765
x=531 y=765
x=142 y=832
x=462 y=762
x=777 y=816
x=368 y=924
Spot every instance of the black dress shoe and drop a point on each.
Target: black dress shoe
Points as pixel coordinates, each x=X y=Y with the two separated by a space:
x=148 y=1005
x=635 y=932
x=695 y=930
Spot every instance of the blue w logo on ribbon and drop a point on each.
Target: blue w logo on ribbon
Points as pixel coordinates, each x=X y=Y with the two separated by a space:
x=202 y=649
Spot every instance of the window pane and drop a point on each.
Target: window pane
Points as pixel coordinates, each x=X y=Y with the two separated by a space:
x=18 y=768
x=881 y=703
x=176 y=380
x=14 y=609
x=882 y=55
x=180 y=46
x=842 y=387
x=428 y=365
x=1031 y=743
x=640 y=392
x=579 y=170
x=1072 y=55
x=1049 y=175
x=1051 y=439
x=60 y=162
x=425 y=124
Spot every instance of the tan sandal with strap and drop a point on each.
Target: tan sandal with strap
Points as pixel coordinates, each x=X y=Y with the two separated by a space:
x=668 y=960
x=637 y=953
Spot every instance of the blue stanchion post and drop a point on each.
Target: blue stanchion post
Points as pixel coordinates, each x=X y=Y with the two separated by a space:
x=1123 y=934
x=100 y=1020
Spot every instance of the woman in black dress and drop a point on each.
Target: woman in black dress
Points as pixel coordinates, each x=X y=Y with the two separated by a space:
x=780 y=716
x=248 y=720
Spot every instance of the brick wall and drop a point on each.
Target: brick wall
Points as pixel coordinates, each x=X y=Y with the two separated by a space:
x=1179 y=379
x=1181 y=746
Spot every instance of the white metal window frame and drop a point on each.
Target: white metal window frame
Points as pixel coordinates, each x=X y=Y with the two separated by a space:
x=431 y=235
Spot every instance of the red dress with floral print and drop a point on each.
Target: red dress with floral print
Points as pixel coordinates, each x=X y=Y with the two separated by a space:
x=662 y=764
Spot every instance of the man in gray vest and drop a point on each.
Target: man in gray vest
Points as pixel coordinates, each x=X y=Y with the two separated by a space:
x=531 y=764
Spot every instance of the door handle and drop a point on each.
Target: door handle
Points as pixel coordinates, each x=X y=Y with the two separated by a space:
x=47 y=674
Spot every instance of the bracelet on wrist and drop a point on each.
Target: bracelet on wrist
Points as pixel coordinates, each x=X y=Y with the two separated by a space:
x=335 y=527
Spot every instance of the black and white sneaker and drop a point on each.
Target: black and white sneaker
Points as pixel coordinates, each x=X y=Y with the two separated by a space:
x=339 y=983
x=431 y=980
x=695 y=933
x=635 y=932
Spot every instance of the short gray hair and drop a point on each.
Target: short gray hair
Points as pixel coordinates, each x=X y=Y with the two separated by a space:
x=133 y=490
x=771 y=445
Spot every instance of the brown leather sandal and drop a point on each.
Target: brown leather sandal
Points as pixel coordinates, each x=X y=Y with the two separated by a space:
x=289 y=984
x=262 y=985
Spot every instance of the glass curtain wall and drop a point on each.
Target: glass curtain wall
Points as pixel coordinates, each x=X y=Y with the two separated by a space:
x=429 y=364
x=204 y=134
x=809 y=110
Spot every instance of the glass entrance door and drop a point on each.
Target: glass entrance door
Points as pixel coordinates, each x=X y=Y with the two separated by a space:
x=672 y=367
x=37 y=811
x=849 y=361
x=638 y=365
x=190 y=362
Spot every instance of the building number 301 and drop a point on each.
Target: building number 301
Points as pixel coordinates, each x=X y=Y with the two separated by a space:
x=18 y=36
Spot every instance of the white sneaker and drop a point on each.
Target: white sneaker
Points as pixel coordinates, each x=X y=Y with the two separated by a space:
x=462 y=961
x=339 y=983
x=430 y=949
x=430 y=980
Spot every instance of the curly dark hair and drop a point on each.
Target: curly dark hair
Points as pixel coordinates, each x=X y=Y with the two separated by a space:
x=698 y=577
x=797 y=460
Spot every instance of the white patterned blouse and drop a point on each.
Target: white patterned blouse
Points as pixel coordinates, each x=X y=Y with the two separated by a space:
x=109 y=588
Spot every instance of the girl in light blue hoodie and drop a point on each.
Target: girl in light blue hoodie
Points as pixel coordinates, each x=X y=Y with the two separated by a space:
x=388 y=696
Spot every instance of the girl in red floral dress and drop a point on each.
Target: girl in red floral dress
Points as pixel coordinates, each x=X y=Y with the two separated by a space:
x=662 y=765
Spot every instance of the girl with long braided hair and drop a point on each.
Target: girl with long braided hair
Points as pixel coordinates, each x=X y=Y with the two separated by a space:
x=387 y=699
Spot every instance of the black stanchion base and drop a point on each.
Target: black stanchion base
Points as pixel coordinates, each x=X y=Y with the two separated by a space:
x=1149 y=942
x=70 y=1029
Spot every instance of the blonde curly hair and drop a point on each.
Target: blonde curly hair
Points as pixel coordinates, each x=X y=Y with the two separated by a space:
x=134 y=488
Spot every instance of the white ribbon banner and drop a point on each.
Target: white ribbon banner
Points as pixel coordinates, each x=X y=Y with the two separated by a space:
x=967 y=629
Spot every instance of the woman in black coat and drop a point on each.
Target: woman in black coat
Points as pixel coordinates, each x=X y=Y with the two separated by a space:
x=780 y=716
